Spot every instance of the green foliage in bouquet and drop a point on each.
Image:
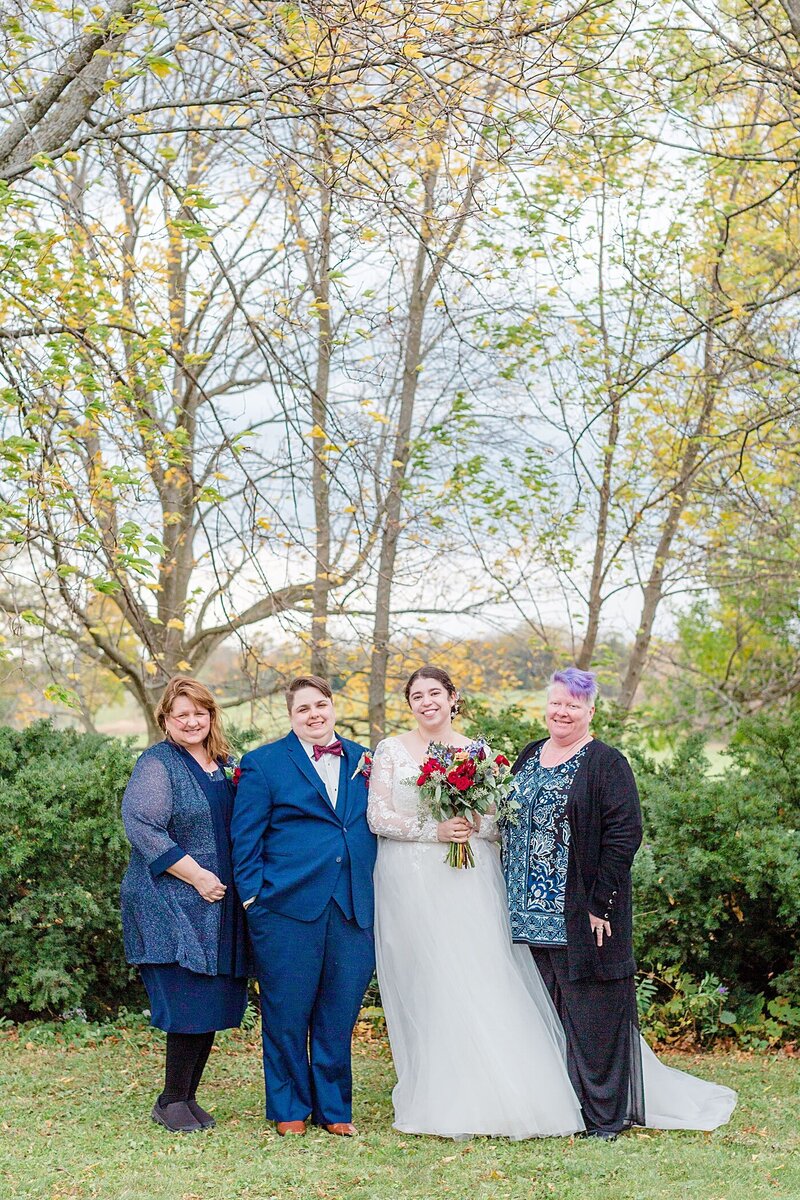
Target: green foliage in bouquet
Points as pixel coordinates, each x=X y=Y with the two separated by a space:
x=62 y=855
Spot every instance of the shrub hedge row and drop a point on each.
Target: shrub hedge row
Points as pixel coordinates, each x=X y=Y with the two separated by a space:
x=717 y=881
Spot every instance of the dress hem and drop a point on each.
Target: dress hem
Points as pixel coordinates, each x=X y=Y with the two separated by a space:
x=511 y=1137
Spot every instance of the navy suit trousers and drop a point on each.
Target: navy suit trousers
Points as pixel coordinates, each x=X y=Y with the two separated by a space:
x=312 y=976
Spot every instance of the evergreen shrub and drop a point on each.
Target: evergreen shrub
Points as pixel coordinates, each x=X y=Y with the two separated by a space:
x=62 y=855
x=717 y=879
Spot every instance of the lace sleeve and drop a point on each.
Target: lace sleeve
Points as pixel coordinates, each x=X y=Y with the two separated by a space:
x=383 y=815
x=489 y=829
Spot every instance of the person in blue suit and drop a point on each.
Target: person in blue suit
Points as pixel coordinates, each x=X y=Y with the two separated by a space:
x=303 y=857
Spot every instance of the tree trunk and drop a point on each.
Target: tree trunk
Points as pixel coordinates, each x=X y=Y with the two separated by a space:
x=320 y=480
x=654 y=588
x=379 y=658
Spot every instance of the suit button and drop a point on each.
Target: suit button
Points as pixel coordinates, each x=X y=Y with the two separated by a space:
x=339 y=859
x=344 y=829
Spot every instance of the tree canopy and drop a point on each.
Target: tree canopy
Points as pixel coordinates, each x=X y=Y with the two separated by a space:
x=328 y=321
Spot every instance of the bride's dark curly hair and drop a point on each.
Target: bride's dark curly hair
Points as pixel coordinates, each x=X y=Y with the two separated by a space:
x=441 y=677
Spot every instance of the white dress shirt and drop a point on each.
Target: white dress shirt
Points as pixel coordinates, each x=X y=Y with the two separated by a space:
x=327 y=767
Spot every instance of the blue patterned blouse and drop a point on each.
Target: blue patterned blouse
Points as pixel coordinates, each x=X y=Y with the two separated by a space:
x=536 y=851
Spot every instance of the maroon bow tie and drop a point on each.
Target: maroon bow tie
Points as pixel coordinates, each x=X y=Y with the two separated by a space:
x=334 y=748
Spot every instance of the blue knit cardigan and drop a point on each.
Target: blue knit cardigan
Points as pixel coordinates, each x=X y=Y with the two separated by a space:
x=166 y=816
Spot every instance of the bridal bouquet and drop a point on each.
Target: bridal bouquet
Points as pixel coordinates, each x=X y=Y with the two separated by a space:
x=459 y=781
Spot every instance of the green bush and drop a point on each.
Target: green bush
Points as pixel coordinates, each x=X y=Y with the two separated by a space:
x=676 y=1008
x=62 y=855
x=717 y=880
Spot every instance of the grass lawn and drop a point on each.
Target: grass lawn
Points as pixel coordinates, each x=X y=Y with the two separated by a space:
x=74 y=1122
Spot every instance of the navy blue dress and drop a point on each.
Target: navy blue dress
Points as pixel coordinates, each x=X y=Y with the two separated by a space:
x=183 y=1001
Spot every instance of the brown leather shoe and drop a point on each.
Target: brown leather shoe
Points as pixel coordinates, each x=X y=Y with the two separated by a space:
x=293 y=1128
x=342 y=1129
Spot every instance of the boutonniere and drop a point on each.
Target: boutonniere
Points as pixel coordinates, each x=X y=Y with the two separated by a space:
x=231 y=771
x=364 y=767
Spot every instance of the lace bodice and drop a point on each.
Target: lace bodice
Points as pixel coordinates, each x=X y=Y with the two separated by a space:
x=393 y=807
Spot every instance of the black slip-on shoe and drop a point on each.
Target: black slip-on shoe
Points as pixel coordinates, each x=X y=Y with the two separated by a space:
x=200 y=1114
x=176 y=1117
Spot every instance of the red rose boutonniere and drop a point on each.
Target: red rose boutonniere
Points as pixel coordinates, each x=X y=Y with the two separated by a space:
x=236 y=776
x=364 y=767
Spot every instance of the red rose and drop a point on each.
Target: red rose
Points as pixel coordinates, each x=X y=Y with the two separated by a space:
x=236 y=776
x=461 y=777
x=427 y=768
x=501 y=760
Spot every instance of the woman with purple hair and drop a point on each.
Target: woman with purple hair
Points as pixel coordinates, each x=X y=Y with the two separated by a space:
x=567 y=861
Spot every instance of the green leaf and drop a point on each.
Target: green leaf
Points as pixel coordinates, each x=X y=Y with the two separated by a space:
x=58 y=694
x=107 y=587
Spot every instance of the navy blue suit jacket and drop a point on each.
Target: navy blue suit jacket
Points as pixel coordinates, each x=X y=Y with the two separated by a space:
x=289 y=844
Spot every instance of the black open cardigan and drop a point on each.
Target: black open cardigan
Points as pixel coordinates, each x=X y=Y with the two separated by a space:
x=605 y=825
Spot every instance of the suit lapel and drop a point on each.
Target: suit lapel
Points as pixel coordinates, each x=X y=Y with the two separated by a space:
x=298 y=755
x=345 y=771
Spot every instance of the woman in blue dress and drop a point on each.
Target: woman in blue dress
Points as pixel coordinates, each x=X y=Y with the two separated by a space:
x=182 y=923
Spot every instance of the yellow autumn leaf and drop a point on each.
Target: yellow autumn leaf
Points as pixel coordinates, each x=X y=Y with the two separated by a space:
x=175 y=623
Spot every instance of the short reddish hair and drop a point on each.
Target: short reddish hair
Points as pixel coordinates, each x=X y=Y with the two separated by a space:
x=304 y=681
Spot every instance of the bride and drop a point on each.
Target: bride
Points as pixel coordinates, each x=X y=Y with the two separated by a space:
x=477 y=1045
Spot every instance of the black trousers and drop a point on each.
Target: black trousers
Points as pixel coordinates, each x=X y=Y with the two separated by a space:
x=603 y=1050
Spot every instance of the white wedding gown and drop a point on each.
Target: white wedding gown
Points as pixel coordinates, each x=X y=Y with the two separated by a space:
x=477 y=1045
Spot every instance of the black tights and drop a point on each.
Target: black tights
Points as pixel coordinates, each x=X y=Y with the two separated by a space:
x=187 y=1055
